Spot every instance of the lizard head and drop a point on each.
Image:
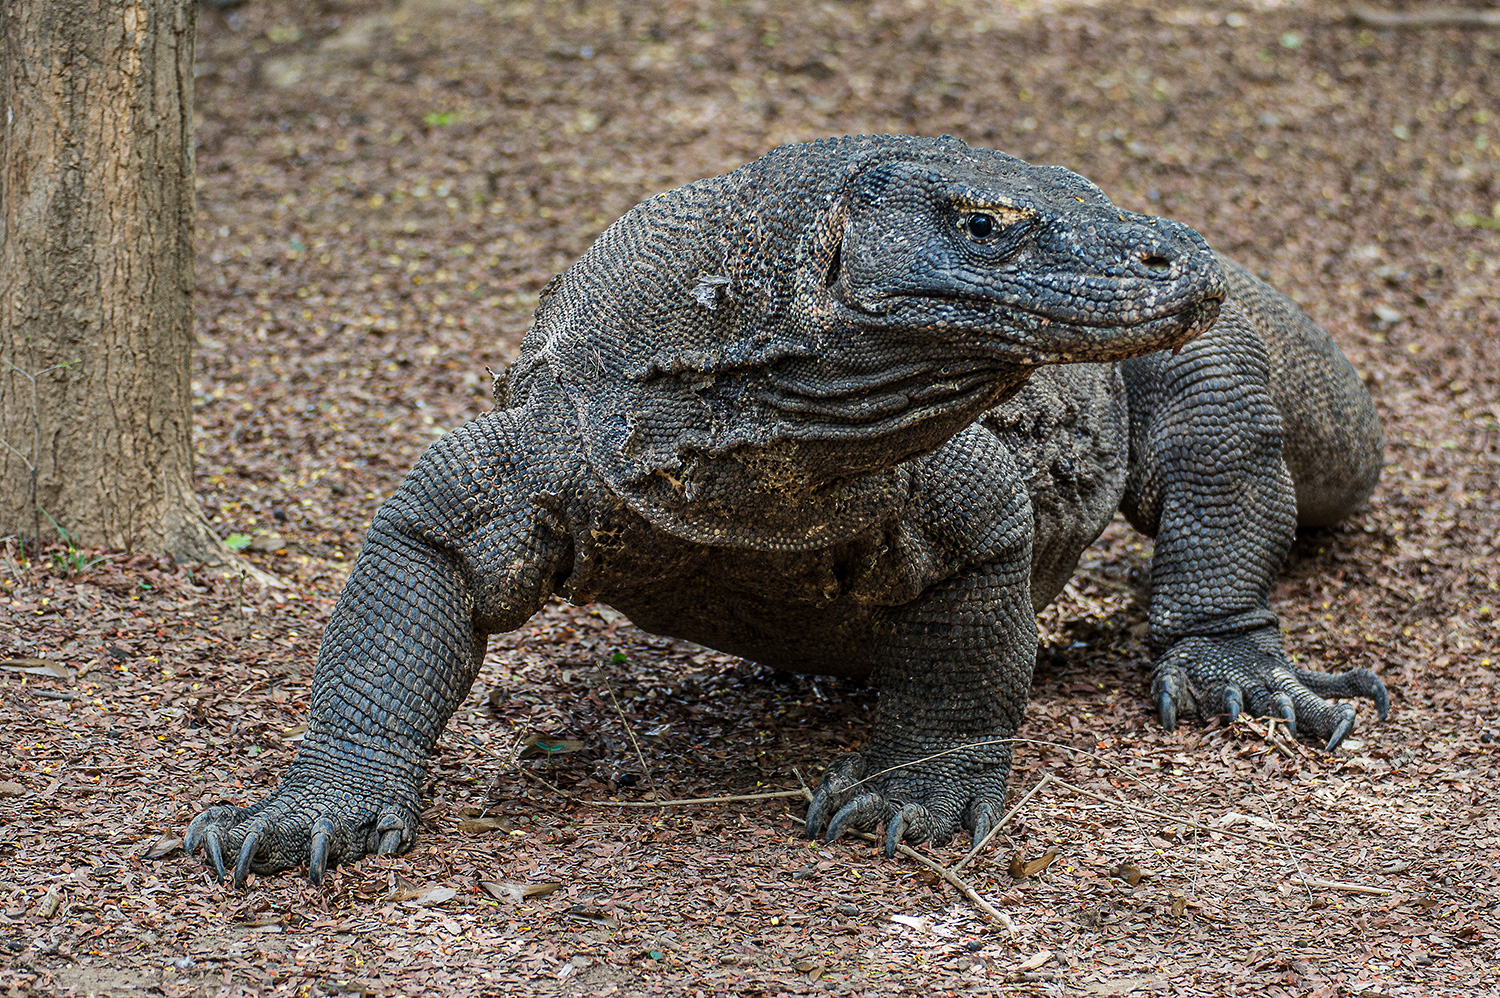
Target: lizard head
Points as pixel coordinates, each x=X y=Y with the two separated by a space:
x=1031 y=263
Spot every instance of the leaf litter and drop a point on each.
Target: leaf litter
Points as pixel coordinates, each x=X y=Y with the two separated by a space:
x=383 y=191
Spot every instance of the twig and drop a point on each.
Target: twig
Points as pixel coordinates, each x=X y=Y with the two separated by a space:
x=1437 y=17
x=988 y=910
x=1124 y=771
x=697 y=800
x=630 y=732
x=1163 y=814
x=650 y=803
x=974 y=851
x=964 y=887
x=552 y=787
x=1339 y=885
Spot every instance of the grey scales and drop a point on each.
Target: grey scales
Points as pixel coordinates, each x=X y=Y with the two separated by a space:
x=854 y=408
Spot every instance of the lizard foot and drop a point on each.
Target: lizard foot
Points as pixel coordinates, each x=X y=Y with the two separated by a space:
x=301 y=822
x=928 y=801
x=1208 y=676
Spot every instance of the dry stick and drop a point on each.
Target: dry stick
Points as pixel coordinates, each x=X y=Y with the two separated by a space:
x=1339 y=885
x=552 y=787
x=697 y=800
x=1438 y=17
x=964 y=887
x=1296 y=863
x=968 y=856
x=1163 y=814
x=650 y=780
x=988 y=910
x=648 y=803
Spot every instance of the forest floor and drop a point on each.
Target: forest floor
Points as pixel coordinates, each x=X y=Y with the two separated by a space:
x=383 y=190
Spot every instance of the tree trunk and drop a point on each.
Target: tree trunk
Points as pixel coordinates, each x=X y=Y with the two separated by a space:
x=96 y=275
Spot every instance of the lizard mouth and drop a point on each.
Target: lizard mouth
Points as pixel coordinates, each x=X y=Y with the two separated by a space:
x=1050 y=340
x=1036 y=337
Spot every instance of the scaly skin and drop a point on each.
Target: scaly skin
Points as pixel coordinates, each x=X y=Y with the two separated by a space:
x=811 y=412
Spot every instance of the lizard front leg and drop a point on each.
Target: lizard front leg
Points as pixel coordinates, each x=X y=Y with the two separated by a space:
x=1209 y=482
x=460 y=551
x=954 y=670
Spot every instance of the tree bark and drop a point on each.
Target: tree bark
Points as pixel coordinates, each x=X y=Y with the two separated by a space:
x=96 y=275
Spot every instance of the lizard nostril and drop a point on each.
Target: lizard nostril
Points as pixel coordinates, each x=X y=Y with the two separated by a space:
x=1156 y=262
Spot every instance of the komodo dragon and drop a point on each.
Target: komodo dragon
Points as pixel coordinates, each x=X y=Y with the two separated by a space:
x=854 y=408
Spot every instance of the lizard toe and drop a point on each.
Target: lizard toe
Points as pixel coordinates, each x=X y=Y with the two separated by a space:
x=862 y=813
x=391 y=834
x=834 y=791
x=911 y=822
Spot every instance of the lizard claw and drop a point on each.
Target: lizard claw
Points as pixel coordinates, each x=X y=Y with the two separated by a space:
x=916 y=804
x=1287 y=711
x=1234 y=702
x=1342 y=729
x=301 y=822
x=317 y=860
x=1166 y=709
x=895 y=829
x=215 y=851
x=247 y=854
x=982 y=819
x=842 y=777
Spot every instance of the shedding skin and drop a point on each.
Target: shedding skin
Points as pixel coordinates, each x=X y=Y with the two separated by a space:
x=854 y=408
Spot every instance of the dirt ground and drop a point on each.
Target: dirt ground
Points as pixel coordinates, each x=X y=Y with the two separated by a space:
x=383 y=191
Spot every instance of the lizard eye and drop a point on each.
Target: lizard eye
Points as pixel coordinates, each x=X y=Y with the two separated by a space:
x=979 y=225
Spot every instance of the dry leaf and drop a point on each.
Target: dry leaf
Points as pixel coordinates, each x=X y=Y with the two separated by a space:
x=266 y=543
x=403 y=890
x=1233 y=818
x=1020 y=869
x=1034 y=961
x=9 y=789
x=164 y=845
x=434 y=895
x=546 y=745
x=479 y=826
x=508 y=891
x=1130 y=873
x=593 y=915
x=812 y=969
x=37 y=667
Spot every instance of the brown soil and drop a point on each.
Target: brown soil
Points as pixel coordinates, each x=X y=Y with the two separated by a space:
x=384 y=190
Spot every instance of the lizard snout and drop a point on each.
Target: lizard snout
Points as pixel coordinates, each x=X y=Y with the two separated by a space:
x=1162 y=250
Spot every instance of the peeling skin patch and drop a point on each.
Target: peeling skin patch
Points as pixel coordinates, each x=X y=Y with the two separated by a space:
x=709 y=289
